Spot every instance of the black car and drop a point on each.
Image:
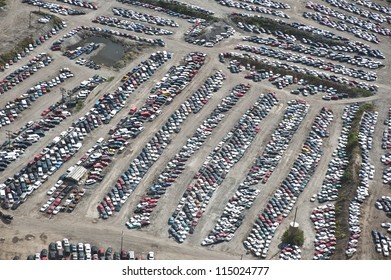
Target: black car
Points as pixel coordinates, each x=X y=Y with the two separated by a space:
x=44 y=253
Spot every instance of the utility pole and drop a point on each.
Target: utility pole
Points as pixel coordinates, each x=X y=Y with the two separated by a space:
x=122 y=240
x=30 y=20
x=63 y=94
x=9 y=137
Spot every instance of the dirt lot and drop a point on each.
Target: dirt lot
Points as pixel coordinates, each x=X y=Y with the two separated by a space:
x=31 y=231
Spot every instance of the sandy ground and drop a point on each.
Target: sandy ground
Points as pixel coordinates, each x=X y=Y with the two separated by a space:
x=31 y=231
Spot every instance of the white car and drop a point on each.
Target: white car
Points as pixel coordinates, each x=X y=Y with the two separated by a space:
x=51 y=190
x=58 y=245
x=44 y=207
x=87 y=248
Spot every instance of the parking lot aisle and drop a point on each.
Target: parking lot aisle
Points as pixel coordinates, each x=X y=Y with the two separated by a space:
x=138 y=143
x=102 y=130
x=314 y=185
x=173 y=195
x=371 y=218
x=236 y=175
x=267 y=190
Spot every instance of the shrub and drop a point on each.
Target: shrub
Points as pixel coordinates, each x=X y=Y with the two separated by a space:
x=294 y=236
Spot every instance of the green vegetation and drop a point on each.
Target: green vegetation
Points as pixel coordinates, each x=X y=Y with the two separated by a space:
x=180 y=8
x=350 y=180
x=317 y=81
x=110 y=79
x=79 y=106
x=274 y=25
x=3 y=3
x=293 y=236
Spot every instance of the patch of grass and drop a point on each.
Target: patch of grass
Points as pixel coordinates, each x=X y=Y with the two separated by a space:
x=350 y=180
x=274 y=25
x=317 y=81
x=3 y=3
x=79 y=106
x=182 y=9
x=293 y=236
x=110 y=79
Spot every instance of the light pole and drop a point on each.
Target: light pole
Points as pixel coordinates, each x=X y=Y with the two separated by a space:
x=122 y=241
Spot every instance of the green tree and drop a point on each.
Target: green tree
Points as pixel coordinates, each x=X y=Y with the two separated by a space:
x=294 y=236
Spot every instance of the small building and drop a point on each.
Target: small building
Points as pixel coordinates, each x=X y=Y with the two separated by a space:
x=77 y=174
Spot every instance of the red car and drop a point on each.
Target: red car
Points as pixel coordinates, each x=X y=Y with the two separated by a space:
x=45 y=112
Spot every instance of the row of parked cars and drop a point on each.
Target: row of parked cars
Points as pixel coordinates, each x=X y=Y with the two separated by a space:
x=339 y=161
x=63 y=147
x=158 y=9
x=348 y=45
x=151 y=19
x=193 y=35
x=64 y=196
x=309 y=61
x=365 y=24
x=358 y=32
x=374 y=6
x=252 y=8
x=268 y=3
x=384 y=203
x=32 y=133
x=313 y=50
x=87 y=49
x=131 y=25
x=323 y=218
x=382 y=242
x=386 y=139
x=24 y=72
x=386 y=144
x=290 y=252
x=170 y=85
x=304 y=70
x=66 y=250
x=283 y=200
x=366 y=173
x=215 y=168
x=259 y=172
x=176 y=165
x=193 y=7
x=297 y=25
x=54 y=8
x=98 y=30
x=353 y=8
x=34 y=44
x=80 y=3
x=14 y=108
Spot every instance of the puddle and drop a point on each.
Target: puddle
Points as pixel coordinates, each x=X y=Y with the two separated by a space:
x=108 y=53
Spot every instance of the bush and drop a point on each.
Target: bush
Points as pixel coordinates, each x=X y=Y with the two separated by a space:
x=182 y=9
x=317 y=81
x=293 y=236
x=274 y=25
